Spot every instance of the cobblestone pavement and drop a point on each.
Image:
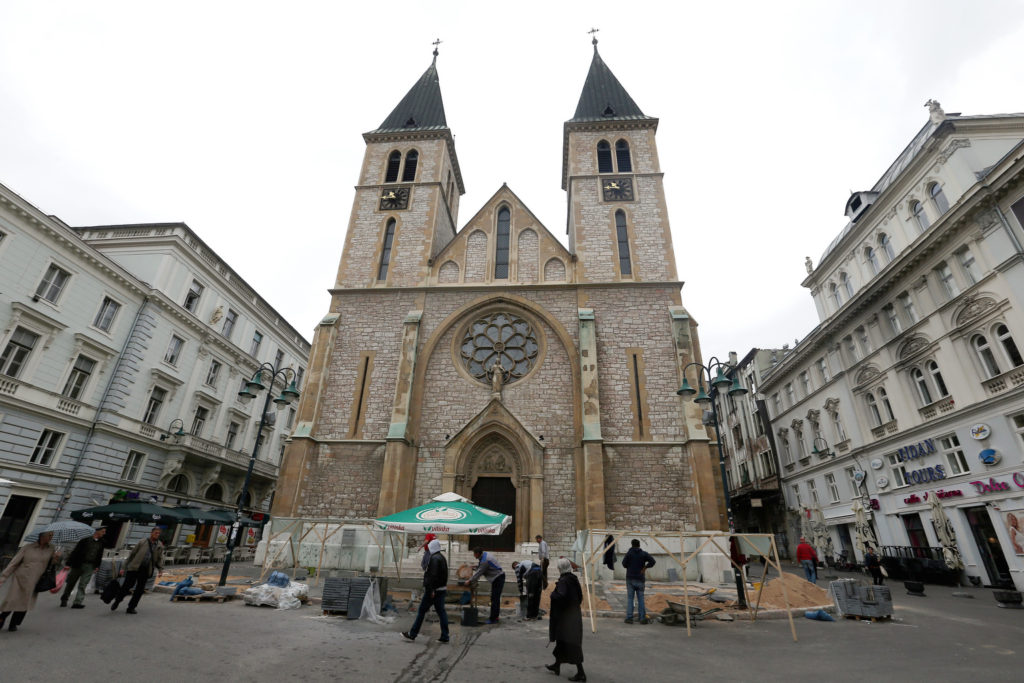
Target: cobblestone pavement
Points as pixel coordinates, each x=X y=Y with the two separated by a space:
x=936 y=638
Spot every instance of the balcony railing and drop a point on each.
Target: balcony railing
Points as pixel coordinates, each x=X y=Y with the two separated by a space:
x=887 y=428
x=943 y=405
x=29 y=394
x=1000 y=383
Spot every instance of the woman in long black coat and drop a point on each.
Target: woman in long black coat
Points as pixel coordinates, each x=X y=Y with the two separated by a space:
x=566 y=624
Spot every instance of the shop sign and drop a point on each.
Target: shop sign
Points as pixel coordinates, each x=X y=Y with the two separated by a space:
x=925 y=475
x=946 y=494
x=912 y=498
x=917 y=450
x=993 y=486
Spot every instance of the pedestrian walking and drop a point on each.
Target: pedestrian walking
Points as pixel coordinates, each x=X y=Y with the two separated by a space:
x=566 y=625
x=83 y=562
x=147 y=555
x=426 y=551
x=529 y=580
x=808 y=559
x=636 y=561
x=543 y=557
x=26 y=567
x=489 y=568
x=874 y=566
x=435 y=590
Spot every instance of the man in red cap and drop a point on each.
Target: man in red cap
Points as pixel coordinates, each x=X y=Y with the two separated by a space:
x=426 y=551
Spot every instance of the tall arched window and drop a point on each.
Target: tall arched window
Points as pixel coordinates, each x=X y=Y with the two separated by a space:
x=622 y=235
x=871 y=256
x=215 y=492
x=385 y=252
x=883 y=398
x=876 y=417
x=394 y=162
x=501 y=246
x=837 y=296
x=1006 y=339
x=885 y=244
x=938 y=197
x=985 y=355
x=178 y=484
x=622 y=159
x=940 y=384
x=921 y=384
x=837 y=426
x=847 y=282
x=920 y=216
x=409 y=172
x=604 y=157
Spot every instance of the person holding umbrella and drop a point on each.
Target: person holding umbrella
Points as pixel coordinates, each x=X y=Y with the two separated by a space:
x=83 y=561
x=26 y=568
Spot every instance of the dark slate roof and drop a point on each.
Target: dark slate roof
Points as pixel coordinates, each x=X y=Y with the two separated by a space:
x=420 y=109
x=603 y=97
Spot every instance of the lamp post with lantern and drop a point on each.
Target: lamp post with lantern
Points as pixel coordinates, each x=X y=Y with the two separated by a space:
x=719 y=383
x=269 y=374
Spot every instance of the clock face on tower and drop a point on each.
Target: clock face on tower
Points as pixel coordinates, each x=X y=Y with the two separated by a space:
x=617 y=189
x=394 y=198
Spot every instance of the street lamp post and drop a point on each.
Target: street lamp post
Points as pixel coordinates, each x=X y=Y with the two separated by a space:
x=252 y=387
x=719 y=382
x=177 y=434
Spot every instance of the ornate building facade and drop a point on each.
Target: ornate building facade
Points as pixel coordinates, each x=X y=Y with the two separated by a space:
x=534 y=378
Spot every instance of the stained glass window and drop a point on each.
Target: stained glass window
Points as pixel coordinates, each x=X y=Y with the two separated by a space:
x=499 y=337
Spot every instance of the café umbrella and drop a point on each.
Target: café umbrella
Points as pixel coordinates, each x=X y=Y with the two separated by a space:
x=139 y=512
x=822 y=538
x=862 y=528
x=457 y=517
x=946 y=534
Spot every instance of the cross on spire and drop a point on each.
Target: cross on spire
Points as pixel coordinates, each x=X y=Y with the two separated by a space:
x=593 y=33
x=437 y=41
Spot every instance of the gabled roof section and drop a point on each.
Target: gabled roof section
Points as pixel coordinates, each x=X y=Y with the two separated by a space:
x=603 y=97
x=420 y=109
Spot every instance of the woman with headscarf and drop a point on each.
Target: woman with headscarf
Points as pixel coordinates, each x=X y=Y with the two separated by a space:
x=566 y=625
x=26 y=568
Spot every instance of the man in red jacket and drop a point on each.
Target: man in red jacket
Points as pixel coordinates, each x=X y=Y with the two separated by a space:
x=808 y=559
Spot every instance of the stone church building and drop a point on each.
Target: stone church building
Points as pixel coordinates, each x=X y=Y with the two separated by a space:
x=491 y=360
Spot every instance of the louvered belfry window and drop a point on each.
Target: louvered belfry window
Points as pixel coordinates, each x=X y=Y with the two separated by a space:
x=501 y=248
x=409 y=172
x=394 y=162
x=622 y=157
x=604 y=157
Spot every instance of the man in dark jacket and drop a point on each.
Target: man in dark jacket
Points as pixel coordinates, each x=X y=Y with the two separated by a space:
x=530 y=579
x=636 y=562
x=435 y=590
x=83 y=561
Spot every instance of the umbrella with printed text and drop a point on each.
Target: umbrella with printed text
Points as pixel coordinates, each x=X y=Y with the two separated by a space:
x=458 y=517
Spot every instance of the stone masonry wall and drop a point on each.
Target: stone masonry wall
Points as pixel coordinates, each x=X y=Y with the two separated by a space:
x=648 y=487
x=343 y=482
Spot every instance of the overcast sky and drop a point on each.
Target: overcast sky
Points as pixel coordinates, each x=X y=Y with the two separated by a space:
x=244 y=120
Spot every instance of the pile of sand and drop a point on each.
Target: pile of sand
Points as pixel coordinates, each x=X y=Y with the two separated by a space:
x=801 y=593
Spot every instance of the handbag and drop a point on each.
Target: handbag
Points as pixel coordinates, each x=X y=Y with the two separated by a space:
x=62 y=577
x=47 y=580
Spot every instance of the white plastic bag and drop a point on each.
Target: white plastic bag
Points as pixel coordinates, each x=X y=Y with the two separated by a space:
x=371 y=606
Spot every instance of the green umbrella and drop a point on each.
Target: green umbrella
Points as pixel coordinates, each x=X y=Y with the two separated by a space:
x=199 y=516
x=147 y=513
x=447 y=517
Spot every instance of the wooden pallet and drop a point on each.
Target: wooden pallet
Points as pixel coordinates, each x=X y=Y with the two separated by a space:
x=205 y=597
x=862 y=618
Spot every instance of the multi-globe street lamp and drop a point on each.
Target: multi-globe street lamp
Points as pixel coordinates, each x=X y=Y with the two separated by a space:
x=717 y=384
x=252 y=388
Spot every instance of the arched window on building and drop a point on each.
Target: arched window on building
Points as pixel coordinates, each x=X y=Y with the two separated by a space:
x=178 y=484
x=837 y=426
x=885 y=244
x=876 y=417
x=837 y=296
x=940 y=384
x=409 y=172
x=622 y=235
x=938 y=198
x=917 y=209
x=604 y=157
x=622 y=159
x=385 y=252
x=847 y=282
x=921 y=384
x=871 y=256
x=215 y=492
x=1009 y=346
x=985 y=355
x=883 y=398
x=394 y=163
x=501 y=244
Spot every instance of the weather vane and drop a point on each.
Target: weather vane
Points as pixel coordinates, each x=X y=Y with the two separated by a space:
x=592 y=32
x=437 y=41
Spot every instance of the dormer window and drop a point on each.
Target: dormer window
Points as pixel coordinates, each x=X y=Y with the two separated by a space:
x=855 y=203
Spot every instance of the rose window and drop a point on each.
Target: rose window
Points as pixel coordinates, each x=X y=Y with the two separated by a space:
x=499 y=338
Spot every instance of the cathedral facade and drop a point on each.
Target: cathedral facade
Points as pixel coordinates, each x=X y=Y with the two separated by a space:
x=491 y=360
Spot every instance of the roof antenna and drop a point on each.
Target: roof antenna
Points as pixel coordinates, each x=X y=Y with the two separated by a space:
x=592 y=32
x=437 y=41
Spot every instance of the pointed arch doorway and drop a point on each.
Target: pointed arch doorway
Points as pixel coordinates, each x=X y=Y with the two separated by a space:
x=498 y=494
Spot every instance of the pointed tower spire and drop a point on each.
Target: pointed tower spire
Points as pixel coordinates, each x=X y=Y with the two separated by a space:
x=603 y=97
x=421 y=108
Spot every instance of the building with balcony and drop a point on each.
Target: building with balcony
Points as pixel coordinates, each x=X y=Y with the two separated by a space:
x=122 y=351
x=909 y=394
x=751 y=461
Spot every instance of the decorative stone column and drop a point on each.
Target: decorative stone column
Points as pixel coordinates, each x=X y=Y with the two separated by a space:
x=593 y=442
x=399 y=473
